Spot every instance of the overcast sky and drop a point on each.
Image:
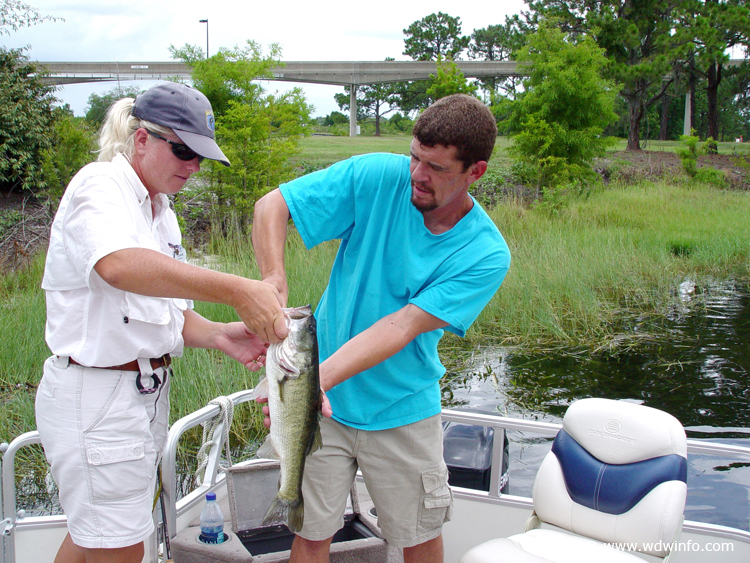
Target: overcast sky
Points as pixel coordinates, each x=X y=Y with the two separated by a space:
x=323 y=30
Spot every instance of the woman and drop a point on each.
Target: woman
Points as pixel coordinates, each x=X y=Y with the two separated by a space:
x=119 y=293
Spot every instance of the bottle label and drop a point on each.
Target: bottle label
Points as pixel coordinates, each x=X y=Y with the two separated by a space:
x=212 y=535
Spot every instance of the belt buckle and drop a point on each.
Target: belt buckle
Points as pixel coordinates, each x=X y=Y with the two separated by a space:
x=145 y=368
x=147 y=390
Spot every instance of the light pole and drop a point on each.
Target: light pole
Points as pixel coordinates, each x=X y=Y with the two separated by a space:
x=206 y=22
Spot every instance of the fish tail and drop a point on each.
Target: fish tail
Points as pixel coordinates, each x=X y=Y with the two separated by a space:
x=283 y=510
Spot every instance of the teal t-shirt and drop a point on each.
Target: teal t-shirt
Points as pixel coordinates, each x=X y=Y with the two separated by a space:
x=387 y=259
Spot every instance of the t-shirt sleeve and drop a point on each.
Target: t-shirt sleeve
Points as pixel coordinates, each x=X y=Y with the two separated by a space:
x=459 y=297
x=322 y=203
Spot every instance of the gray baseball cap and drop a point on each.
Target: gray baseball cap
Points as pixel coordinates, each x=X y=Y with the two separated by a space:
x=184 y=110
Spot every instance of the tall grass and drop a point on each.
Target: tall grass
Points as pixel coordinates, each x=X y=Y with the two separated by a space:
x=587 y=275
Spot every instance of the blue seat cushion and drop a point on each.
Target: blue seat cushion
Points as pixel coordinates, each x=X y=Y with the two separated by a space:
x=609 y=488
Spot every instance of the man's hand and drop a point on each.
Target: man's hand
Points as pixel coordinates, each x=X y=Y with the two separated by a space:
x=325 y=408
x=237 y=342
x=259 y=306
x=280 y=283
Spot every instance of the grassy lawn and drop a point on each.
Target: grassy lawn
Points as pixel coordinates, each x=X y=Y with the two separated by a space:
x=321 y=150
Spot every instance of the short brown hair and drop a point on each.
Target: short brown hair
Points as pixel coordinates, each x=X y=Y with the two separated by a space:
x=461 y=121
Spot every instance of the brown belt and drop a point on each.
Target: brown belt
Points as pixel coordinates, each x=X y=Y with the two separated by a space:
x=164 y=361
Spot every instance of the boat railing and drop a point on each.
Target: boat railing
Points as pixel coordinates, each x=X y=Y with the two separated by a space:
x=14 y=520
x=212 y=476
x=10 y=515
x=499 y=424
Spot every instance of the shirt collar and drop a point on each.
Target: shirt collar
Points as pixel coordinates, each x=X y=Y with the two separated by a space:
x=161 y=202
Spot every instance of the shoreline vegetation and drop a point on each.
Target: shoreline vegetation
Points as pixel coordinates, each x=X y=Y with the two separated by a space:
x=597 y=272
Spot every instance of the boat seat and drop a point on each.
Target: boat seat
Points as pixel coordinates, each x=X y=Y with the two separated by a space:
x=614 y=483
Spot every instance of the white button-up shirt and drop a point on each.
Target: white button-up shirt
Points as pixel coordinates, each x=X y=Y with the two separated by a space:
x=106 y=208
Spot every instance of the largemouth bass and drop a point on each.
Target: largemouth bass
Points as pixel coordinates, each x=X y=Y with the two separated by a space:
x=292 y=385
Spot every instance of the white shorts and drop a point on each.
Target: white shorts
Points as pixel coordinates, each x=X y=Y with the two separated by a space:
x=103 y=440
x=404 y=472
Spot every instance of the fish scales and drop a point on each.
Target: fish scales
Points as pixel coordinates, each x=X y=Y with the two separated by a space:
x=292 y=385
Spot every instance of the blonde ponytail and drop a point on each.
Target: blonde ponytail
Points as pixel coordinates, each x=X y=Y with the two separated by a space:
x=118 y=131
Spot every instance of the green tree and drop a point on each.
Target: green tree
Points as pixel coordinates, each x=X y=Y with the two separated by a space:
x=412 y=96
x=98 y=104
x=401 y=123
x=559 y=120
x=436 y=35
x=14 y=15
x=372 y=101
x=257 y=131
x=711 y=27
x=638 y=38
x=498 y=43
x=433 y=35
x=449 y=80
x=73 y=147
x=335 y=118
x=230 y=74
x=26 y=120
x=258 y=139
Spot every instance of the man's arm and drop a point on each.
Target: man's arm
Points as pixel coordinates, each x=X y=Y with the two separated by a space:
x=234 y=339
x=269 y=234
x=148 y=272
x=385 y=338
x=382 y=340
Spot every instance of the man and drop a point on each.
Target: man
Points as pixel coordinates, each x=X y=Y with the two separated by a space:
x=118 y=292
x=418 y=255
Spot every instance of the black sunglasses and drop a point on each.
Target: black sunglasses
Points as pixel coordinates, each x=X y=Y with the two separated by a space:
x=183 y=152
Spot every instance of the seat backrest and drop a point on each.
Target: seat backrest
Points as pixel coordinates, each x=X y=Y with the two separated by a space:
x=617 y=473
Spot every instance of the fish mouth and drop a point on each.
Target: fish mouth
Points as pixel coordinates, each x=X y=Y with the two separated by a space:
x=297 y=313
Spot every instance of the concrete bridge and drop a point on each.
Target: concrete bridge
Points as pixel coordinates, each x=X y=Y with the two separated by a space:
x=343 y=73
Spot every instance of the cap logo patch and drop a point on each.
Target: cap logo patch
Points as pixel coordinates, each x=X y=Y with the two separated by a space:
x=210 y=119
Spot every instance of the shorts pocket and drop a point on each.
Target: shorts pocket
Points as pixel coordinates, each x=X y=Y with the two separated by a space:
x=117 y=470
x=45 y=390
x=436 y=502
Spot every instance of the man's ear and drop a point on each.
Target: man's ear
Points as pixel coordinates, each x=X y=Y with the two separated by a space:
x=478 y=170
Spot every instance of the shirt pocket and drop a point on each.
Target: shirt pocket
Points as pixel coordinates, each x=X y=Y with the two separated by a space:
x=436 y=502
x=152 y=310
x=117 y=470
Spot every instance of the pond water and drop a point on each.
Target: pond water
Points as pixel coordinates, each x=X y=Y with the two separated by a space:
x=699 y=375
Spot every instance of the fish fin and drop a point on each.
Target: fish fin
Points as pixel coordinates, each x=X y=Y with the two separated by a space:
x=261 y=390
x=317 y=441
x=267 y=451
x=282 y=510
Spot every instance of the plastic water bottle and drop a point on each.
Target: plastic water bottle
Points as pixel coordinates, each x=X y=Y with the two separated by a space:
x=212 y=521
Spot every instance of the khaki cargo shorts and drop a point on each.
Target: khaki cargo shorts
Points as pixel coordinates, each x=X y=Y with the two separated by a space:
x=405 y=475
x=103 y=440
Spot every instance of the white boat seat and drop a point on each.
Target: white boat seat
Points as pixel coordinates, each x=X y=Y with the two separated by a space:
x=614 y=483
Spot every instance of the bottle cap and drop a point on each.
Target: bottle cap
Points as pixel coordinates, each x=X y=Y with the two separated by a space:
x=210 y=496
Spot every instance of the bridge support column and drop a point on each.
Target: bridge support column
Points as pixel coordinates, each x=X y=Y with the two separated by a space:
x=353 y=110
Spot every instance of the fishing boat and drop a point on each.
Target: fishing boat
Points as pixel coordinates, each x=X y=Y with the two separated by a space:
x=483 y=510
